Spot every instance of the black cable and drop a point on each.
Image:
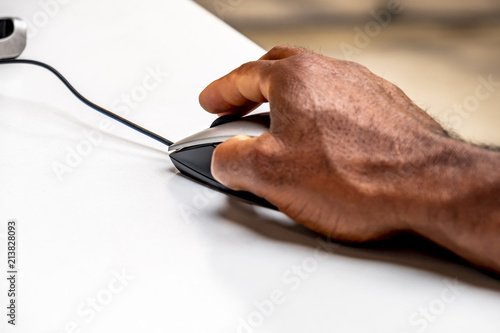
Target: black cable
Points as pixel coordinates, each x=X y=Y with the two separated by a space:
x=89 y=103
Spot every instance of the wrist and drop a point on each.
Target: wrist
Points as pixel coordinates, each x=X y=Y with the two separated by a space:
x=462 y=203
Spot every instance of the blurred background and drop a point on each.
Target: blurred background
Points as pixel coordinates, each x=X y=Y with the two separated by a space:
x=444 y=54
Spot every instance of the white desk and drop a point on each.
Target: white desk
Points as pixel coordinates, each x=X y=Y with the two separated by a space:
x=193 y=260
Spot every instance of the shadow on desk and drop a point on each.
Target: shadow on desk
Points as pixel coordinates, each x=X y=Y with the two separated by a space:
x=404 y=249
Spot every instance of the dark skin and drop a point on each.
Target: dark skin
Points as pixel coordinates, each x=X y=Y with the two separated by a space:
x=350 y=156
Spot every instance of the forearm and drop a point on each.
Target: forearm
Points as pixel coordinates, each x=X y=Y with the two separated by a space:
x=465 y=218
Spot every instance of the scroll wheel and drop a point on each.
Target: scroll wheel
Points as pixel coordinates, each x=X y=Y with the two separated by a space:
x=6 y=28
x=224 y=120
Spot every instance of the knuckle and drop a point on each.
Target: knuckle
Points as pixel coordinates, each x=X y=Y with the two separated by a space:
x=292 y=68
x=280 y=49
x=286 y=50
x=355 y=65
x=245 y=67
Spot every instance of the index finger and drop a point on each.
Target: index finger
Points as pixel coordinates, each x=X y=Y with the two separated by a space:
x=245 y=88
x=240 y=91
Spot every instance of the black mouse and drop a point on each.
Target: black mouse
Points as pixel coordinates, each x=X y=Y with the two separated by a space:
x=192 y=156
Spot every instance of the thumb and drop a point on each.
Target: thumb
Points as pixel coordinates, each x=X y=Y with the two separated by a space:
x=237 y=162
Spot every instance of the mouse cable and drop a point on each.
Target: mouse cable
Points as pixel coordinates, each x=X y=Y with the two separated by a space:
x=87 y=102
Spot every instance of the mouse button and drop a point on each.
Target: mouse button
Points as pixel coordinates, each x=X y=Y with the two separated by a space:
x=207 y=137
x=259 y=118
x=6 y=28
x=263 y=120
x=197 y=158
x=224 y=120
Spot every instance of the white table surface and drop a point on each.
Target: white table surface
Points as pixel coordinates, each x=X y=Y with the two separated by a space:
x=190 y=259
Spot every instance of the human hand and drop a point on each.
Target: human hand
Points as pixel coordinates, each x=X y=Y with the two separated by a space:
x=348 y=154
x=333 y=140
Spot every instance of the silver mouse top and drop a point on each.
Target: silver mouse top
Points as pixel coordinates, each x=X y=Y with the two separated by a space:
x=253 y=125
x=13 y=34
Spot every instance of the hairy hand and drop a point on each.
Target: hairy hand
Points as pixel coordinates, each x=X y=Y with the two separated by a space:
x=348 y=154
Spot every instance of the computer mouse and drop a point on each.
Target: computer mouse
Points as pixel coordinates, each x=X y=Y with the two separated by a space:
x=192 y=156
x=13 y=34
